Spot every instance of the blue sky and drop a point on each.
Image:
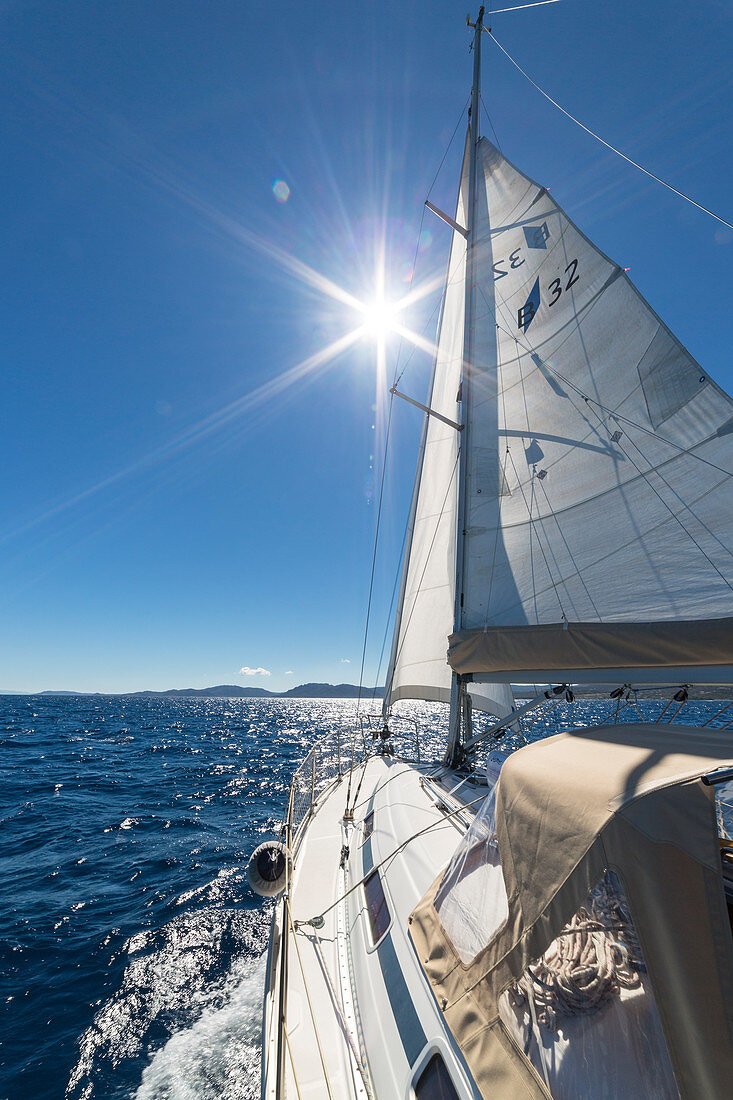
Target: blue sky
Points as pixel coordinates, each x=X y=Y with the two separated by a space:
x=174 y=511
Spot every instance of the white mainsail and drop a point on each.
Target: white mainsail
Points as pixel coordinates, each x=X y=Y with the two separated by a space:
x=599 y=450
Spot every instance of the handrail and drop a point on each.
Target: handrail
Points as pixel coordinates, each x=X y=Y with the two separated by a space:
x=333 y=757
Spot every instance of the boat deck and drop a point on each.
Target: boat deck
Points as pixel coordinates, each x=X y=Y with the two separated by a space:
x=345 y=993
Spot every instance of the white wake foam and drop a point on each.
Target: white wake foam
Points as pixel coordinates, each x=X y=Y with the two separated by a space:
x=218 y=1057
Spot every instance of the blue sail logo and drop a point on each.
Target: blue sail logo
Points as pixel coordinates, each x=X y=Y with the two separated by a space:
x=528 y=312
x=536 y=235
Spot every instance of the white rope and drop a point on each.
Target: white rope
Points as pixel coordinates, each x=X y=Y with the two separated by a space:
x=593 y=958
x=607 y=144
x=310 y=1009
x=292 y=1063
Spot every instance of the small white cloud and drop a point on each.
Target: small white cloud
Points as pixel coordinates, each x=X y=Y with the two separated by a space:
x=247 y=671
x=345 y=661
x=289 y=672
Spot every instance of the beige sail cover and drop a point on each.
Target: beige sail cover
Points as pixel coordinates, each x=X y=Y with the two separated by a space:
x=514 y=650
x=626 y=799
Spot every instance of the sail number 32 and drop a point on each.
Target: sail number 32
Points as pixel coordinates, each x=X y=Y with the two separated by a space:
x=555 y=290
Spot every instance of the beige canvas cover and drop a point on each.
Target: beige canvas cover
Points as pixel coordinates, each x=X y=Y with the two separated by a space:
x=626 y=799
x=509 y=650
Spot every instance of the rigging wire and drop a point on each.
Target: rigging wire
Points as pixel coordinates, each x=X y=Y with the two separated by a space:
x=521 y=7
x=374 y=553
x=533 y=530
x=445 y=154
x=673 y=491
x=409 y=291
x=486 y=110
x=717 y=714
x=433 y=825
x=438 y=304
x=644 y=475
x=607 y=144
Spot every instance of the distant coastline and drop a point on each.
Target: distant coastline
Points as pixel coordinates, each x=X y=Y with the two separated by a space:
x=231 y=691
x=328 y=691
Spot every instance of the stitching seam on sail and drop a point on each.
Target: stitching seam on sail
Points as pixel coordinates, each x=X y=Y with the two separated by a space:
x=531 y=508
x=570 y=553
x=673 y=491
x=539 y=543
x=496 y=538
x=611 y=553
x=607 y=144
x=671 y=511
x=620 y=416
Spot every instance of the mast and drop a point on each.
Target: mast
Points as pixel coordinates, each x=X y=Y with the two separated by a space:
x=459 y=699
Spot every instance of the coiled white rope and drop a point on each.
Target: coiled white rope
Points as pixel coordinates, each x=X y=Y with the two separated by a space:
x=595 y=956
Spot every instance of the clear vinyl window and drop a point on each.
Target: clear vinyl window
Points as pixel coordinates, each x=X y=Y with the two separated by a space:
x=471 y=901
x=377 y=907
x=584 y=1011
x=434 y=1082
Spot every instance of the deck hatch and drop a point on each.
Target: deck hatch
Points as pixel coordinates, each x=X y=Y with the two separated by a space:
x=377 y=907
x=434 y=1082
x=367 y=827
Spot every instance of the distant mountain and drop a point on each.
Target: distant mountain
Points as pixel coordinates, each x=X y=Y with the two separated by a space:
x=222 y=691
x=330 y=691
x=234 y=691
x=63 y=693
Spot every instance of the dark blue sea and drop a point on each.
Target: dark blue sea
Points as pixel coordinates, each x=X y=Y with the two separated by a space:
x=132 y=952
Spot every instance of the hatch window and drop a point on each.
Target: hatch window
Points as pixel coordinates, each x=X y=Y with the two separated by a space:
x=377 y=907
x=367 y=827
x=587 y=998
x=434 y=1082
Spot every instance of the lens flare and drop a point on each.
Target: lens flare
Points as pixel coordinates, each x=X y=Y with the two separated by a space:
x=281 y=191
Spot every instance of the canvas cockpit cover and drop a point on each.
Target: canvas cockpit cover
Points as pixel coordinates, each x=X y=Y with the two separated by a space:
x=570 y=809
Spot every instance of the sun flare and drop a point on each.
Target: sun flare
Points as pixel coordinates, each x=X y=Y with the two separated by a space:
x=379 y=318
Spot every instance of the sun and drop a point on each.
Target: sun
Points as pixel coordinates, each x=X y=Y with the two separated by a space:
x=379 y=318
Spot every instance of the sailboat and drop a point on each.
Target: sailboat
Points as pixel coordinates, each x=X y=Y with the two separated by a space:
x=528 y=918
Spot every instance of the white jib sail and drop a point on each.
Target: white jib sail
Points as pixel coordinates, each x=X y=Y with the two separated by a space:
x=600 y=452
x=418 y=666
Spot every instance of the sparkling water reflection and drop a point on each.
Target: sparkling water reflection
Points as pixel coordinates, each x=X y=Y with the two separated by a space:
x=131 y=948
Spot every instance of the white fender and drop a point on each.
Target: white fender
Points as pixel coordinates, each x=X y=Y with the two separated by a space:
x=269 y=869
